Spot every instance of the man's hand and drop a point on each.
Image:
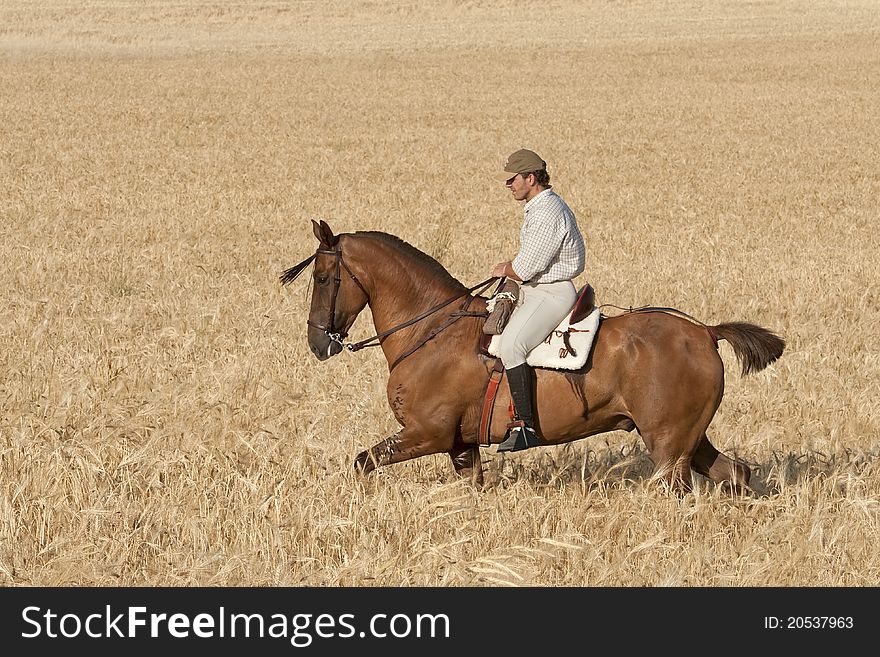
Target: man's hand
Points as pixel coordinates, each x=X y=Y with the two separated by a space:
x=503 y=269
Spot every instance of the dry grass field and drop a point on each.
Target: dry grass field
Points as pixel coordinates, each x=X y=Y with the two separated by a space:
x=162 y=421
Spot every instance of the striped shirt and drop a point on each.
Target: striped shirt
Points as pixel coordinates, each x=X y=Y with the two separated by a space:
x=551 y=247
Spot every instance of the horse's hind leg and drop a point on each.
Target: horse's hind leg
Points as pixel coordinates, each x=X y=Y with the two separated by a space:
x=674 y=471
x=671 y=448
x=721 y=469
x=467 y=463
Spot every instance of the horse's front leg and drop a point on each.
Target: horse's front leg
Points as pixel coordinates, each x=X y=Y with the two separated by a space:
x=406 y=444
x=467 y=463
x=382 y=453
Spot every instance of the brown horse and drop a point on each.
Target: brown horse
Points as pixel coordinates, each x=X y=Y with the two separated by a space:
x=656 y=372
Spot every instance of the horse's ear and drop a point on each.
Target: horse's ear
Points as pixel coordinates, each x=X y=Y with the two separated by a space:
x=316 y=228
x=324 y=234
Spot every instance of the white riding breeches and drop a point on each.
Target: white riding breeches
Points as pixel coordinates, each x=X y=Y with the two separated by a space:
x=539 y=310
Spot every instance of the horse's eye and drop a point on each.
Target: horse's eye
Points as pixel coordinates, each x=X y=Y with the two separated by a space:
x=321 y=279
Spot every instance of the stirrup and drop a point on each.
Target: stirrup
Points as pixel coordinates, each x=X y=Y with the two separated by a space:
x=519 y=437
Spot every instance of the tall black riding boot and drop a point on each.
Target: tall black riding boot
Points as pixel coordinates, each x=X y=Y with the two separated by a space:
x=522 y=434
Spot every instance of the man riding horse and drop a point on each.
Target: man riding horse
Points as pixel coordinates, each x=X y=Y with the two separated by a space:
x=551 y=254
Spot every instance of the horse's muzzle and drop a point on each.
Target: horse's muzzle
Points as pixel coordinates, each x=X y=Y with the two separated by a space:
x=325 y=351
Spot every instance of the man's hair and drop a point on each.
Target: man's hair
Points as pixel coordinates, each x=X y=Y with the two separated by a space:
x=541 y=177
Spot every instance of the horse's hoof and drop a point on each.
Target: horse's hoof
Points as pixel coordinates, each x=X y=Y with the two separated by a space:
x=363 y=464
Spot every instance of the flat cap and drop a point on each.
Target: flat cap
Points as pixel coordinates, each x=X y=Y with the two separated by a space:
x=522 y=161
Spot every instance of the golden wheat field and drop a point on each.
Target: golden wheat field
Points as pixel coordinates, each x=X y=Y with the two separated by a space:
x=162 y=421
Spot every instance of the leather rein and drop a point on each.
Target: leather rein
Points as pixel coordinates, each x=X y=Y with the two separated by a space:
x=339 y=337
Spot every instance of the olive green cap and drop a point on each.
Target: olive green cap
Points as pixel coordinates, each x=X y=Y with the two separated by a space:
x=522 y=161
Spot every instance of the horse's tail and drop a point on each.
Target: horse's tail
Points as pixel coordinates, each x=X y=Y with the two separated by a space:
x=754 y=346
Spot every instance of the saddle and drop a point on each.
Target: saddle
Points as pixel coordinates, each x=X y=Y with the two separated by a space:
x=568 y=345
x=585 y=304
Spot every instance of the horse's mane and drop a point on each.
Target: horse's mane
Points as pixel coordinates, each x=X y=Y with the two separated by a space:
x=430 y=264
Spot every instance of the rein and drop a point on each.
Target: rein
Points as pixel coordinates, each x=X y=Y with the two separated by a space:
x=293 y=273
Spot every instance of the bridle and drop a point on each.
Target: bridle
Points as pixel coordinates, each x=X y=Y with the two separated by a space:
x=290 y=275
x=330 y=329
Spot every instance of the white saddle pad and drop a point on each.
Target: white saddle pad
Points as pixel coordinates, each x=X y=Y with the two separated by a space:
x=553 y=352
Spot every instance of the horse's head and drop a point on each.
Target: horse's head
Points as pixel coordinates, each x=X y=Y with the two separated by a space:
x=337 y=294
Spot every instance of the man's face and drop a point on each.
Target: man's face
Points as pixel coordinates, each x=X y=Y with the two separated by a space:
x=521 y=186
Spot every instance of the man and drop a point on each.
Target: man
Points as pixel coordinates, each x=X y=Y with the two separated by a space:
x=551 y=254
